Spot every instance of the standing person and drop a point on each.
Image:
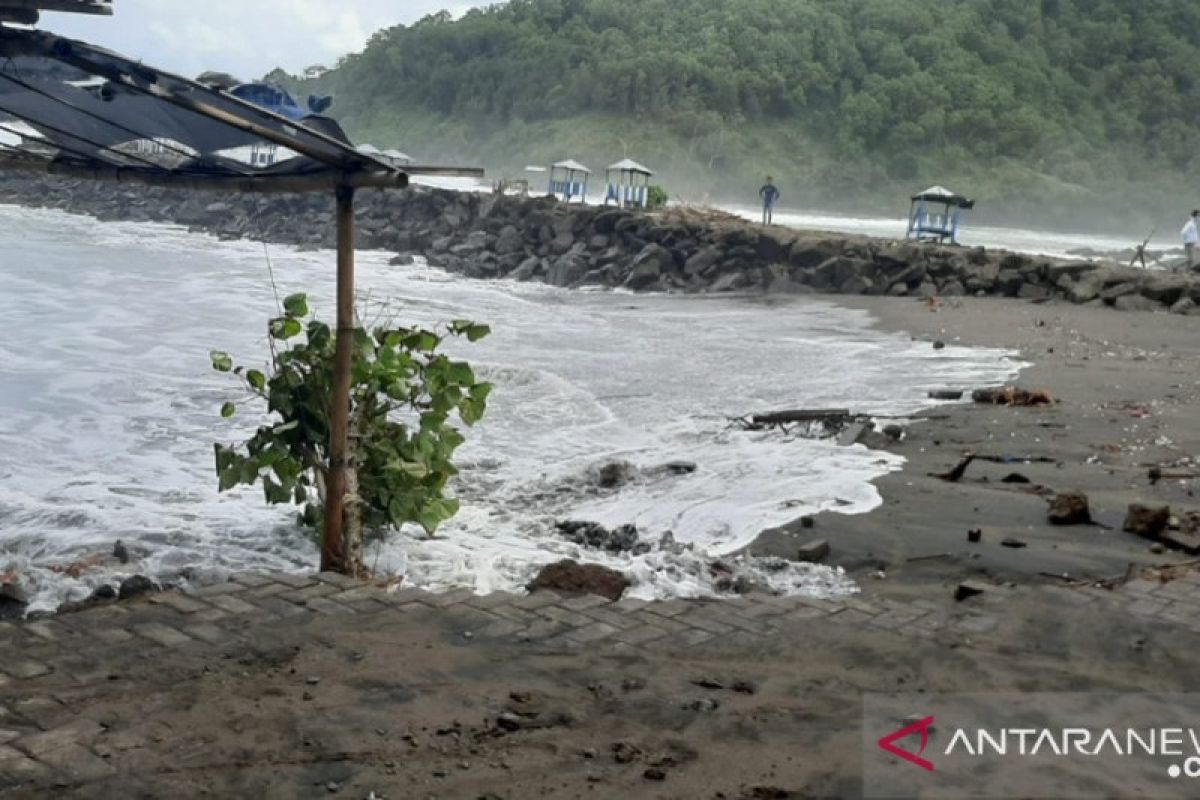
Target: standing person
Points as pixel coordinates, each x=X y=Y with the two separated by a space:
x=1191 y=237
x=769 y=194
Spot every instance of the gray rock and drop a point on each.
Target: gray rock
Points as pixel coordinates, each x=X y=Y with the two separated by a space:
x=856 y=284
x=1184 y=305
x=701 y=261
x=527 y=269
x=1032 y=291
x=729 y=282
x=509 y=241
x=813 y=552
x=136 y=586
x=1165 y=287
x=567 y=270
x=1111 y=293
x=953 y=288
x=1009 y=282
x=1135 y=302
x=927 y=289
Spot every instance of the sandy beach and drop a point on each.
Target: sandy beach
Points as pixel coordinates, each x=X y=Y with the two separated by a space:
x=419 y=701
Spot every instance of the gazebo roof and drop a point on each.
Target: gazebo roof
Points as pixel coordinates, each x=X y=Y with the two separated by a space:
x=629 y=165
x=940 y=194
x=572 y=164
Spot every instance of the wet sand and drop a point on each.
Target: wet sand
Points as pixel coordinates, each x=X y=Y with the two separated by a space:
x=1128 y=392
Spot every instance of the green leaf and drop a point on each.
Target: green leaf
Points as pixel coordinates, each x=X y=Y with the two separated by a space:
x=477 y=332
x=256 y=379
x=285 y=328
x=228 y=410
x=221 y=362
x=228 y=478
x=296 y=305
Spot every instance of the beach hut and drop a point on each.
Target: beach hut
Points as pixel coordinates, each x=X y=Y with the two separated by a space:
x=628 y=184
x=569 y=180
x=936 y=214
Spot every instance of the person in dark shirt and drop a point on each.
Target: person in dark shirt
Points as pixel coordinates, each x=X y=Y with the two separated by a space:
x=769 y=194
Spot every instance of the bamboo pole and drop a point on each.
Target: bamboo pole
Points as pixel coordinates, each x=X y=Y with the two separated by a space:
x=334 y=557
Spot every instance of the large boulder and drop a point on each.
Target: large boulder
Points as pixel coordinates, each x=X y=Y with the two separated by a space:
x=649 y=265
x=13 y=601
x=809 y=254
x=571 y=577
x=1166 y=288
x=1135 y=302
x=509 y=241
x=701 y=261
x=1070 y=269
x=567 y=270
x=729 y=282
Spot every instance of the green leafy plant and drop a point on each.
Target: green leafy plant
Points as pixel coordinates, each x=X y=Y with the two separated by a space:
x=656 y=197
x=405 y=398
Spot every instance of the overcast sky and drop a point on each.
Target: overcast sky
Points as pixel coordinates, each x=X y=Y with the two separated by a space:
x=247 y=38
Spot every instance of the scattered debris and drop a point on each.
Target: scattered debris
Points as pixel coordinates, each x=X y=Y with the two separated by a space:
x=968 y=589
x=939 y=345
x=654 y=774
x=808 y=522
x=955 y=475
x=1157 y=474
x=1015 y=477
x=828 y=419
x=1013 y=544
x=1146 y=521
x=1012 y=396
x=932 y=557
x=975 y=535
x=813 y=552
x=1070 y=508
x=625 y=753
x=946 y=394
x=622 y=539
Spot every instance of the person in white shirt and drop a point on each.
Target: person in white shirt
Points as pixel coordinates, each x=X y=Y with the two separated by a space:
x=1191 y=237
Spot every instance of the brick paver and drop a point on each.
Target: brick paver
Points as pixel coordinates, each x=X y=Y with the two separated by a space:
x=61 y=747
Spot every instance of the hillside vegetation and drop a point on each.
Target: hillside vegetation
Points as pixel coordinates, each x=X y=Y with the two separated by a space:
x=1082 y=104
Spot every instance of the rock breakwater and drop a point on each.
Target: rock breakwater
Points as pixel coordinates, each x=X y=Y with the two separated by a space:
x=539 y=239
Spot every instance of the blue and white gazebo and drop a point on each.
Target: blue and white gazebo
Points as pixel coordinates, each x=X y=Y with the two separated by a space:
x=628 y=184
x=569 y=181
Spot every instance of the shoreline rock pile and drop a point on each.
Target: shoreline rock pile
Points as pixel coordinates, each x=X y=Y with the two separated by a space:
x=539 y=239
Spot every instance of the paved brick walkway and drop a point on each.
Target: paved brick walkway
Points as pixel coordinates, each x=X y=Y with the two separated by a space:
x=51 y=662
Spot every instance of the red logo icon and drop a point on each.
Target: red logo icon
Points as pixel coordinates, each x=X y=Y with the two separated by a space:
x=888 y=743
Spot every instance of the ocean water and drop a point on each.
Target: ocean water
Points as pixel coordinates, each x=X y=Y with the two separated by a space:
x=109 y=412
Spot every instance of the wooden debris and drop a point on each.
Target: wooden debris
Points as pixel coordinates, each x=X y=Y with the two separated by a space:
x=77 y=568
x=832 y=418
x=1012 y=396
x=955 y=475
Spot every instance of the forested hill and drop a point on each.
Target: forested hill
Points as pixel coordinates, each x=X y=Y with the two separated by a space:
x=844 y=101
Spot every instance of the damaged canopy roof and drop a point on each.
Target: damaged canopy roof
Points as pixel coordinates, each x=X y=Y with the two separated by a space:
x=28 y=11
x=101 y=114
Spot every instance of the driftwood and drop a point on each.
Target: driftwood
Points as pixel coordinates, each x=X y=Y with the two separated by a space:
x=784 y=420
x=955 y=475
x=1158 y=474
